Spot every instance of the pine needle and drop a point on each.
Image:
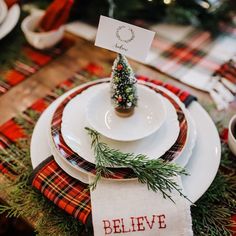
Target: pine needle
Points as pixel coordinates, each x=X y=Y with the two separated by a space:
x=156 y=174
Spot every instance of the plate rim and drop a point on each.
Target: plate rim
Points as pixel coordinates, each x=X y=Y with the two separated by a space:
x=120 y=172
x=196 y=194
x=73 y=145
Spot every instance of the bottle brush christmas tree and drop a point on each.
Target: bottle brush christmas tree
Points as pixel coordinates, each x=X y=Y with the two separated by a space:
x=123 y=87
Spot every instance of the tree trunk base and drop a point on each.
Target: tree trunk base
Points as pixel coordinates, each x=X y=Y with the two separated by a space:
x=124 y=112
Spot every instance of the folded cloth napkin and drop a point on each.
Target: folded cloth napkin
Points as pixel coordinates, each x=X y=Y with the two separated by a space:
x=128 y=207
x=10 y=3
x=70 y=194
x=56 y=15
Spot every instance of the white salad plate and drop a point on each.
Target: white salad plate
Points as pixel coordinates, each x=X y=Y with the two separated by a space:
x=76 y=137
x=202 y=165
x=3 y=11
x=148 y=117
x=10 y=20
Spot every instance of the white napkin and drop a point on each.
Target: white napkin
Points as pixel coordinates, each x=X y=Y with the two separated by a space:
x=129 y=208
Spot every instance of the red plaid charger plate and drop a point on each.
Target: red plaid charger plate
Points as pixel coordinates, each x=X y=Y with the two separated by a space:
x=76 y=160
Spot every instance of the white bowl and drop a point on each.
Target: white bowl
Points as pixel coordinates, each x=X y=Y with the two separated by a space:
x=148 y=116
x=40 y=40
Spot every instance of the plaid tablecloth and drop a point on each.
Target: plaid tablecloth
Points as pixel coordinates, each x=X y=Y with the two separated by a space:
x=18 y=62
x=191 y=55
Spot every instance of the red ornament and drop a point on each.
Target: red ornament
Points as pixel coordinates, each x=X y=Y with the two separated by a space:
x=119 y=67
x=119 y=99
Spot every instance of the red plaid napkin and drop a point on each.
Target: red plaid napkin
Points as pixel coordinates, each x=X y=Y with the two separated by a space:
x=70 y=194
x=56 y=15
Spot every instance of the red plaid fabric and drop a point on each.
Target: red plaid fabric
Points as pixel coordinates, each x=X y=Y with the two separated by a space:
x=69 y=194
x=184 y=96
x=227 y=71
x=29 y=63
x=20 y=128
x=190 y=55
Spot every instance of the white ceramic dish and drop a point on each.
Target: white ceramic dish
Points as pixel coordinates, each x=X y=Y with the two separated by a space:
x=148 y=117
x=3 y=10
x=40 y=40
x=10 y=20
x=76 y=137
x=202 y=166
x=80 y=175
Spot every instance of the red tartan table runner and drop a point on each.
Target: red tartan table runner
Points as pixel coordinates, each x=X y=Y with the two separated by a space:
x=194 y=56
x=68 y=193
x=28 y=62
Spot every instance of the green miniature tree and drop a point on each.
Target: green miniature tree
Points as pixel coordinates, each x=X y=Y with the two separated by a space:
x=123 y=87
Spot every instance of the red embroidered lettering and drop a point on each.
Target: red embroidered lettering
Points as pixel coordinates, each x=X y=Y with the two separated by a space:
x=132 y=219
x=161 y=221
x=117 y=229
x=152 y=223
x=140 y=224
x=123 y=227
x=107 y=227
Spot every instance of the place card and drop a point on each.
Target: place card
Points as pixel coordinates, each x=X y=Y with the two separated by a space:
x=129 y=40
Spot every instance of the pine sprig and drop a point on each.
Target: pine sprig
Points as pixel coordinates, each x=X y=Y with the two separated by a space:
x=156 y=174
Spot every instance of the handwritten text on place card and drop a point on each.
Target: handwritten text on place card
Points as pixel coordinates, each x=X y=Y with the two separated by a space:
x=124 y=38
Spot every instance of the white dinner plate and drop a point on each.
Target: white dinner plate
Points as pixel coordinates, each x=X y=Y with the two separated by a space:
x=10 y=20
x=3 y=11
x=148 y=117
x=202 y=166
x=76 y=137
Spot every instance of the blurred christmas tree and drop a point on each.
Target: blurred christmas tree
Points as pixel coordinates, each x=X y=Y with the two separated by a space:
x=203 y=13
x=123 y=87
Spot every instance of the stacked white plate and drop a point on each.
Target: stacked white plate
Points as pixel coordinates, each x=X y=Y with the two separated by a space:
x=154 y=129
x=8 y=18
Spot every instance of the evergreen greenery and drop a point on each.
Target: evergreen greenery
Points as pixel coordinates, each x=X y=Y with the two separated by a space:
x=156 y=174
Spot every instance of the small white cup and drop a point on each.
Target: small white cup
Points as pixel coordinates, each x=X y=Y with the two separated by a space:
x=40 y=40
x=231 y=133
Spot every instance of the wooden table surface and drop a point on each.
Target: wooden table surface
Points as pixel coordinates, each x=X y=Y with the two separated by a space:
x=38 y=85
